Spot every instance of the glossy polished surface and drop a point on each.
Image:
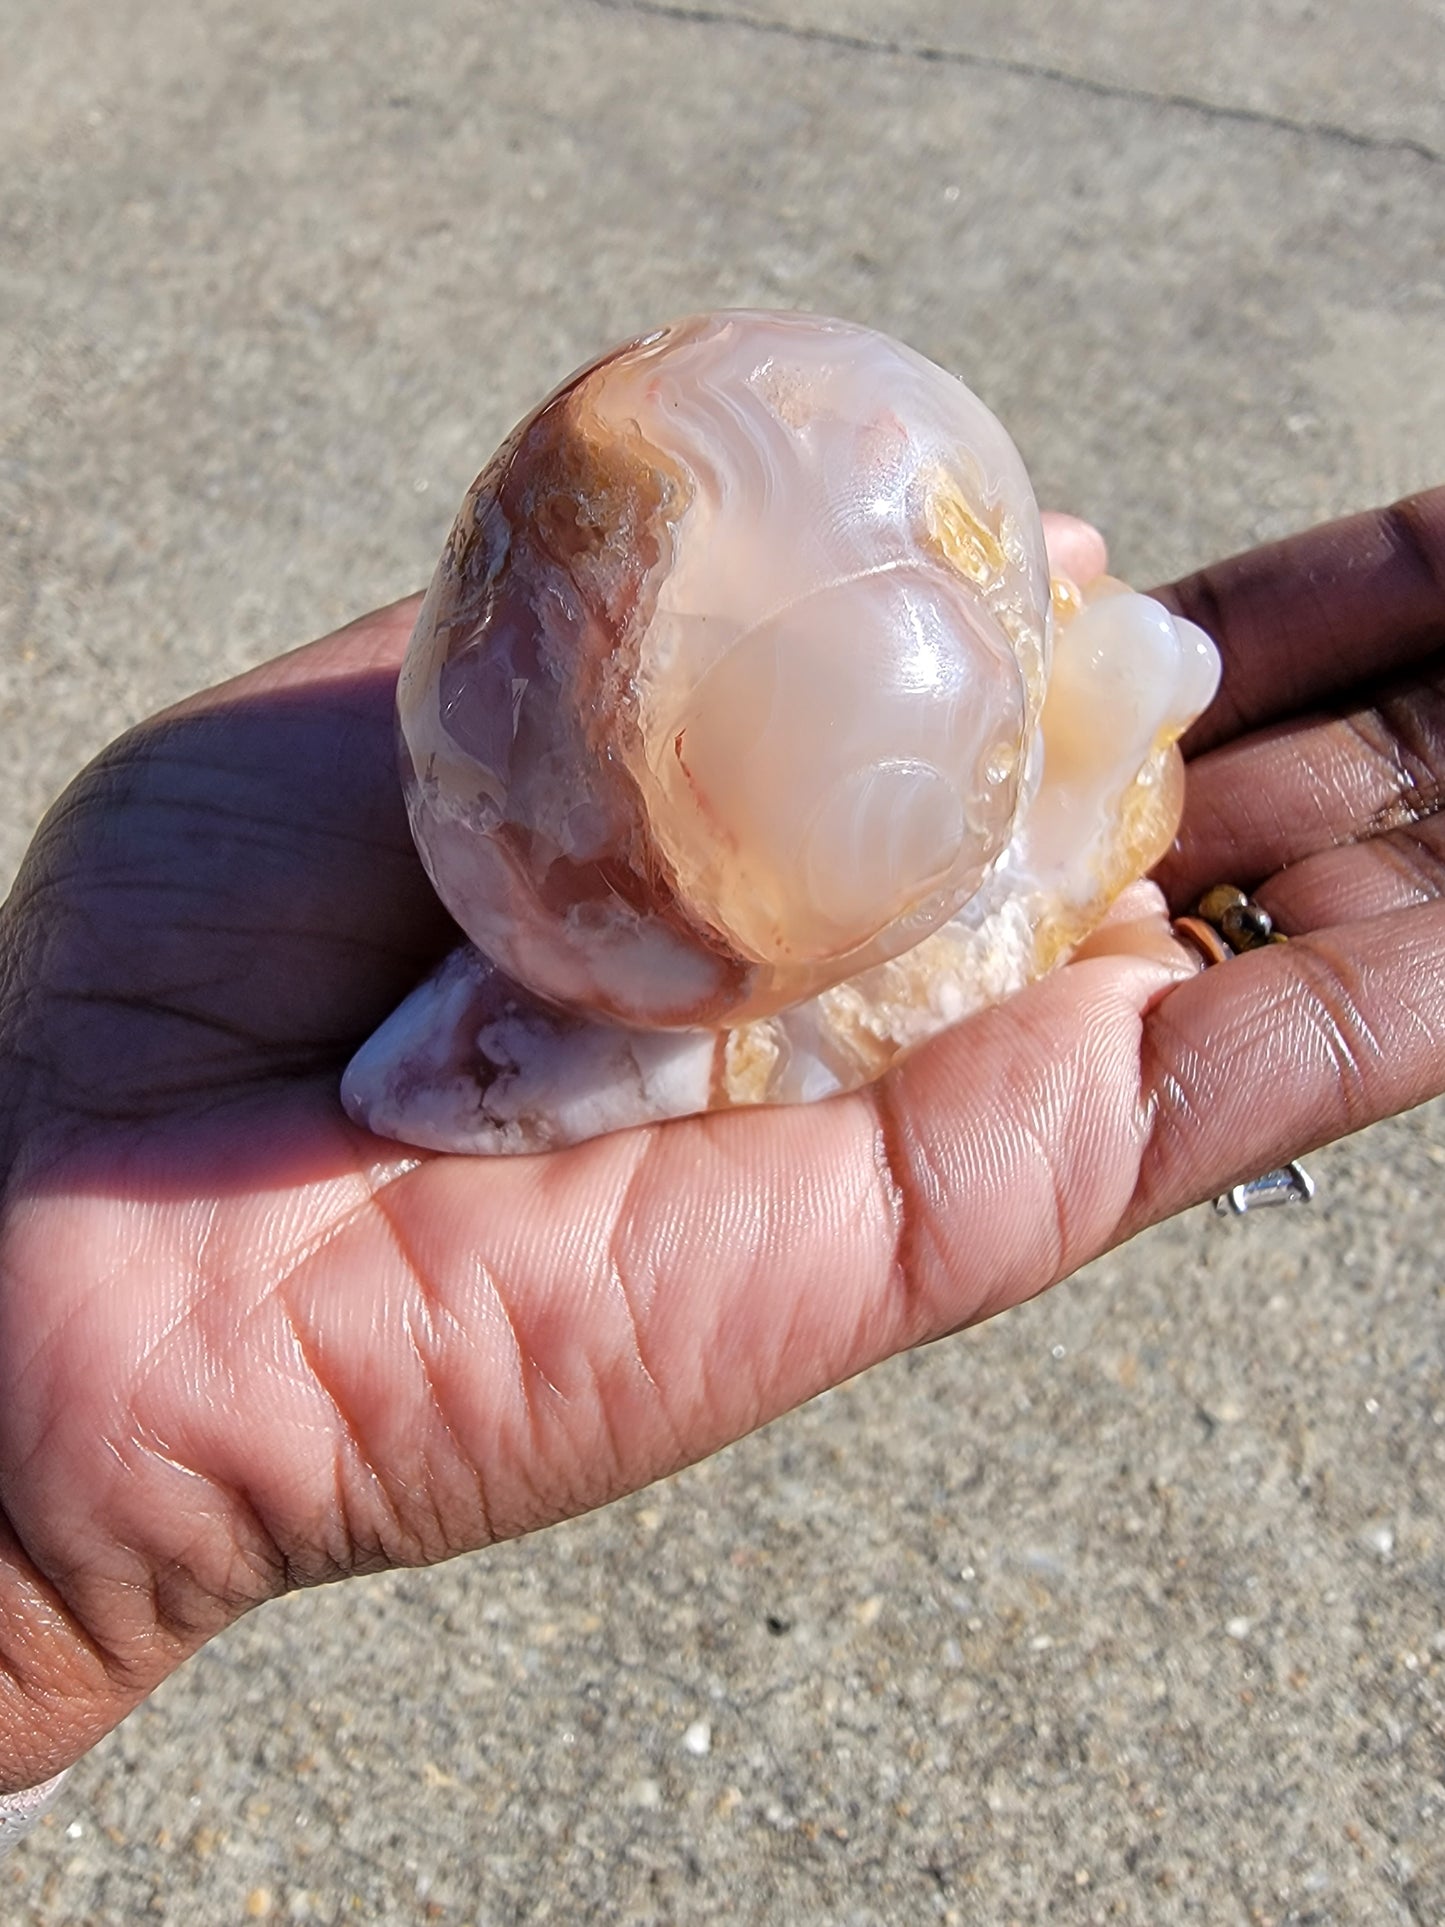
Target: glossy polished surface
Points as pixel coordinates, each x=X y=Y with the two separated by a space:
x=725 y=683
x=744 y=727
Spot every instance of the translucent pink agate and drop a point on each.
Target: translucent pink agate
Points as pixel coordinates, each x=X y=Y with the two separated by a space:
x=747 y=738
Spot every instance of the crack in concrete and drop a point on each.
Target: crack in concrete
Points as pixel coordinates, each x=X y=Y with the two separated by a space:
x=1210 y=110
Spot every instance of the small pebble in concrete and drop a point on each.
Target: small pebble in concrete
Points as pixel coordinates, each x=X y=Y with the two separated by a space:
x=1379 y=1538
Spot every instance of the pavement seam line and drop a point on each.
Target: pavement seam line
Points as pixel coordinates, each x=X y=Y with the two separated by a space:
x=1210 y=110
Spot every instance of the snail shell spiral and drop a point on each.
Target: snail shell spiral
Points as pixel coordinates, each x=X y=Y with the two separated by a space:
x=732 y=733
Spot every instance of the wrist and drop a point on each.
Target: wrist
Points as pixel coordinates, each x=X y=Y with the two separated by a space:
x=58 y=1695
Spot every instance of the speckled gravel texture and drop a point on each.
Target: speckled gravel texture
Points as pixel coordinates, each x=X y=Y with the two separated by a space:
x=1129 y=1607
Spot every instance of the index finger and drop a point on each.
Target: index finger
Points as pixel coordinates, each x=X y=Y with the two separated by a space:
x=1300 y=622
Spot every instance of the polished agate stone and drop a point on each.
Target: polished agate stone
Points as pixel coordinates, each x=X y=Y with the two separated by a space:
x=749 y=741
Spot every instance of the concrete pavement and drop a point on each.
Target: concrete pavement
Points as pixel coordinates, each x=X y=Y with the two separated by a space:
x=1129 y=1607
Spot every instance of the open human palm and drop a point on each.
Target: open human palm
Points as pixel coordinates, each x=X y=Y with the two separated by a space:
x=245 y=1346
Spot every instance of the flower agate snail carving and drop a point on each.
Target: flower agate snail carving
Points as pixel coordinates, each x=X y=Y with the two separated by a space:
x=748 y=740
